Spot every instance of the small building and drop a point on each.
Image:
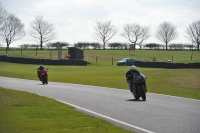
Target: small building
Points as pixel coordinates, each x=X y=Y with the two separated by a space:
x=75 y=53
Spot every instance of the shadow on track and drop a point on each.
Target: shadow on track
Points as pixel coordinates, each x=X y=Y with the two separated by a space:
x=134 y=100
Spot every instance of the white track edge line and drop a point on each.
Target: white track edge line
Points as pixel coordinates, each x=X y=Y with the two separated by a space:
x=118 y=121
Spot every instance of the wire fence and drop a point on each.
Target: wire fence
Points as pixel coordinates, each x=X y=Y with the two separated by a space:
x=113 y=60
x=53 y=54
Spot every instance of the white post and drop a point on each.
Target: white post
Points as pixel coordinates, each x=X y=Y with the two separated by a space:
x=59 y=50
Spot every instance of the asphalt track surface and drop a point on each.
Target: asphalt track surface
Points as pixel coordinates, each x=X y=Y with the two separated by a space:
x=159 y=113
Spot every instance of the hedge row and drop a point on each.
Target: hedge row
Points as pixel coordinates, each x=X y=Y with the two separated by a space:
x=167 y=65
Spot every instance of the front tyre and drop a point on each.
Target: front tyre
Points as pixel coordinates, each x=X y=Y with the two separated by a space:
x=136 y=96
x=46 y=81
x=143 y=93
x=43 y=81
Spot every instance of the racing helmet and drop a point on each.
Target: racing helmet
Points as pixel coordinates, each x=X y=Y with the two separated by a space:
x=41 y=66
x=133 y=68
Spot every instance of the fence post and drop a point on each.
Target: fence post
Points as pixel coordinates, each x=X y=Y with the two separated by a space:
x=21 y=49
x=191 y=57
x=96 y=58
x=36 y=50
x=172 y=58
x=50 y=54
x=112 y=60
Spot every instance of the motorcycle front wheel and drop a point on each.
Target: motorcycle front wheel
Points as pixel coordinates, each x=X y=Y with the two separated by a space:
x=46 y=81
x=43 y=81
x=143 y=93
x=137 y=97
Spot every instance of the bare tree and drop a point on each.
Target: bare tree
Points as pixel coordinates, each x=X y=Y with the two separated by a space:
x=3 y=14
x=193 y=33
x=135 y=33
x=42 y=31
x=166 y=32
x=104 y=31
x=12 y=29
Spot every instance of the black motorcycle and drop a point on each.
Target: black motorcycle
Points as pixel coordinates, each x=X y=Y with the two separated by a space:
x=139 y=91
x=139 y=86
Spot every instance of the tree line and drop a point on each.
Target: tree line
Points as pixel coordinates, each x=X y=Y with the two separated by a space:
x=114 y=45
x=117 y=45
x=12 y=29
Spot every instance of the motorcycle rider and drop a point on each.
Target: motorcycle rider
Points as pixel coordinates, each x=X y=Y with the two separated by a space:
x=130 y=78
x=40 y=68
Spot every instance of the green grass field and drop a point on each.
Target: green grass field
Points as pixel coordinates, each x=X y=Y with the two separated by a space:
x=176 y=82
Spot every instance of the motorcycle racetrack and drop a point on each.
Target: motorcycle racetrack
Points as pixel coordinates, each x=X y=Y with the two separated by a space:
x=159 y=113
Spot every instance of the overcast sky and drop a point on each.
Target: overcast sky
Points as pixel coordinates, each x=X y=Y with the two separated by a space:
x=74 y=20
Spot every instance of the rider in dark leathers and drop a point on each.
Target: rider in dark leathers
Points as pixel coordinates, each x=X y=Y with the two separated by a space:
x=130 y=78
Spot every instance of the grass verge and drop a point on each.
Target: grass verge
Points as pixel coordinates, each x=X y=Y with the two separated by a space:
x=23 y=112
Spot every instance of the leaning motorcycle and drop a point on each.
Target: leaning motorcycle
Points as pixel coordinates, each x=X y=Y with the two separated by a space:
x=44 y=76
x=139 y=89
